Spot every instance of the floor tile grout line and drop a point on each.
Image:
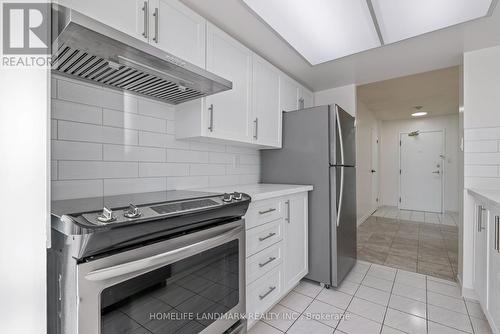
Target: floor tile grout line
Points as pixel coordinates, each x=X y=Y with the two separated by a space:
x=390 y=296
x=468 y=314
x=426 y=306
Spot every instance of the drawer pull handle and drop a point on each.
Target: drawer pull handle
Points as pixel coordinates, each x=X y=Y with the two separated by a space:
x=271 y=289
x=267 y=236
x=497 y=235
x=267 y=211
x=271 y=259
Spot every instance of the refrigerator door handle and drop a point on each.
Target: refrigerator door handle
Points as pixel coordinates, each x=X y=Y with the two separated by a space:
x=341 y=194
x=341 y=141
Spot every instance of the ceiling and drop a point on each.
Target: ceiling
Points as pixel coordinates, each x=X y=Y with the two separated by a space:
x=436 y=50
x=437 y=91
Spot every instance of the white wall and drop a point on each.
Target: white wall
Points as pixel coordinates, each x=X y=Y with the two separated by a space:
x=24 y=196
x=105 y=142
x=343 y=96
x=482 y=139
x=389 y=156
x=365 y=124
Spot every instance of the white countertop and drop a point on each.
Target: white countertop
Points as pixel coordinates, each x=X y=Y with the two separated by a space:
x=489 y=196
x=260 y=191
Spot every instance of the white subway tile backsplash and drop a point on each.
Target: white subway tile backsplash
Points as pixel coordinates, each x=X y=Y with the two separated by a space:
x=482 y=158
x=138 y=185
x=482 y=134
x=73 y=150
x=95 y=95
x=154 y=169
x=76 y=112
x=134 y=153
x=222 y=158
x=81 y=170
x=186 y=156
x=76 y=189
x=53 y=88
x=187 y=182
x=133 y=121
x=481 y=146
x=107 y=142
x=481 y=171
x=156 y=109
x=207 y=169
x=96 y=133
x=482 y=182
x=161 y=140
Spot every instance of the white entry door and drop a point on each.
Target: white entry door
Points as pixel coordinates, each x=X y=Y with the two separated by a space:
x=421 y=171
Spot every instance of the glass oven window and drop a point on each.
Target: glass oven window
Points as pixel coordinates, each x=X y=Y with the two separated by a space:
x=183 y=297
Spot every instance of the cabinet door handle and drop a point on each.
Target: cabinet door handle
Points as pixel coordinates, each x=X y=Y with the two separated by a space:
x=271 y=289
x=211 y=118
x=479 y=217
x=256 y=133
x=497 y=233
x=156 y=15
x=267 y=236
x=287 y=211
x=263 y=264
x=146 y=19
x=267 y=211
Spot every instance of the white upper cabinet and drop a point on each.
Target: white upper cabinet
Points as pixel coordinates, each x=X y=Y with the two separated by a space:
x=128 y=16
x=289 y=92
x=228 y=113
x=178 y=30
x=266 y=103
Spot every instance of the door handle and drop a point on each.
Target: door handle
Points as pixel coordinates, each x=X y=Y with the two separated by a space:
x=287 y=211
x=256 y=134
x=436 y=172
x=146 y=19
x=267 y=236
x=156 y=15
x=211 y=118
x=479 y=218
x=497 y=235
x=373 y=171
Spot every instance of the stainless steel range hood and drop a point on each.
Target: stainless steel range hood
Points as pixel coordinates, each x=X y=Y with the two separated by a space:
x=85 y=49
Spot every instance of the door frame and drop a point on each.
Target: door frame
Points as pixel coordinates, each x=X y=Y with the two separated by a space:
x=374 y=130
x=443 y=165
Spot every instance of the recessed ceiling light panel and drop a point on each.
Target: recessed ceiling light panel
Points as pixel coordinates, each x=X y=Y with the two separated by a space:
x=320 y=30
x=419 y=114
x=402 y=19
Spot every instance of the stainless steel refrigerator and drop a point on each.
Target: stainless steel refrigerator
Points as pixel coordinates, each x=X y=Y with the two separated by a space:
x=319 y=148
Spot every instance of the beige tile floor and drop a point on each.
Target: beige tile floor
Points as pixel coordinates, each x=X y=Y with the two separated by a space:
x=376 y=299
x=447 y=218
x=426 y=248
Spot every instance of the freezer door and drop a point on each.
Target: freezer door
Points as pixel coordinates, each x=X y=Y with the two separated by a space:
x=342 y=137
x=344 y=229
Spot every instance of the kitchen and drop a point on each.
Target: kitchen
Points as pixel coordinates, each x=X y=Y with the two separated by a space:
x=185 y=165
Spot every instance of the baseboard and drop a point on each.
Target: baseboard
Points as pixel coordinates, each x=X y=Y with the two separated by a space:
x=466 y=291
x=362 y=219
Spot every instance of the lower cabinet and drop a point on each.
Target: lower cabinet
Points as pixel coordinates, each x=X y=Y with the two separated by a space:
x=493 y=279
x=277 y=250
x=481 y=253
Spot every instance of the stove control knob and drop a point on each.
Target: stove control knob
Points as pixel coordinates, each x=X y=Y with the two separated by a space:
x=237 y=196
x=132 y=212
x=106 y=216
x=227 y=198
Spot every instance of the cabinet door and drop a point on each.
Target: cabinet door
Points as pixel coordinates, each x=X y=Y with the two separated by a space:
x=295 y=237
x=127 y=16
x=266 y=104
x=289 y=92
x=494 y=272
x=480 y=253
x=178 y=30
x=228 y=113
x=306 y=98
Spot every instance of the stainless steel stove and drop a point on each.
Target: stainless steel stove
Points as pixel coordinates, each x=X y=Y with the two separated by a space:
x=162 y=262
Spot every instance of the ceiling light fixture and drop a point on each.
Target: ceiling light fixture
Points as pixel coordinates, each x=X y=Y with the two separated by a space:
x=324 y=30
x=419 y=114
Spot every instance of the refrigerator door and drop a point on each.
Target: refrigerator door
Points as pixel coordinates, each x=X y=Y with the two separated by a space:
x=342 y=137
x=344 y=229
x=304 y=159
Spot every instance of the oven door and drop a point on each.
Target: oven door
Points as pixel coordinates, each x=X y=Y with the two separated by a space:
x=181 y=285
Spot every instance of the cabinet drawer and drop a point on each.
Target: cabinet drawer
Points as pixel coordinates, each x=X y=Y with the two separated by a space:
x=263 y=236
x=262 y=262
x=264 y=292
x=262 y=212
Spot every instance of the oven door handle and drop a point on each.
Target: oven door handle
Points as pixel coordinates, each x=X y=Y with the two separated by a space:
x=159 y=260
